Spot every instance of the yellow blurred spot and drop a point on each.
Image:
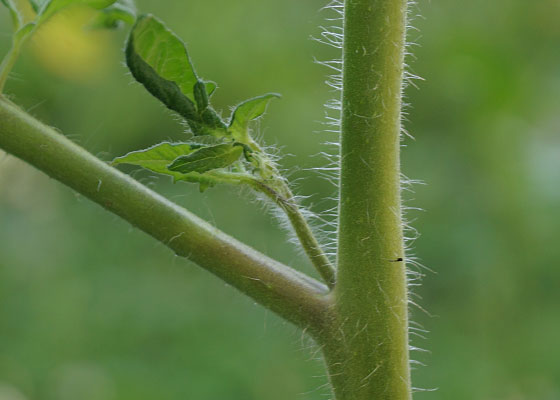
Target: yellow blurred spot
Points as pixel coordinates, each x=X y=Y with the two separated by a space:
x=66 y=47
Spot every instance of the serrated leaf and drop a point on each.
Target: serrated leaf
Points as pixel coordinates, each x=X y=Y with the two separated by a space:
x=48 y=8
x=207 y=159
x=158 y=157
x=14 y=13
x=112 y=16
x=247 y=111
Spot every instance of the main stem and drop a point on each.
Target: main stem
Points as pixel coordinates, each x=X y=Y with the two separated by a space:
x=367 y=348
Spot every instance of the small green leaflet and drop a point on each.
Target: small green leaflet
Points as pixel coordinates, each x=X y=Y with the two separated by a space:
x=210 y=87
x=158 y=157
x=247 y=111
x=36 y=4
x=112 y=16
x=207 y=159
x=201 y=96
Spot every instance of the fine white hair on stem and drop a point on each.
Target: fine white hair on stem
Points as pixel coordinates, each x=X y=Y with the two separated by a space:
x=324 y=225
x=415 y=270
x=337 y=8
x=332 y=35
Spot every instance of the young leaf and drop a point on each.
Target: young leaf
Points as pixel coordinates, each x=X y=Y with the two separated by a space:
x=201 y=96
x=214 y=122
x=207 y=159
x=14 y=13
x=210 y=87
x=247 y=111
x=36 y=4
x=159 y=60
x=164 y=90
x=112 y=16
x=159 y=48
x=158 y=157
x=149 y=46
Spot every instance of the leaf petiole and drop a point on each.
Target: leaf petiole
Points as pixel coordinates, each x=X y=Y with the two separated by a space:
x=280 y=193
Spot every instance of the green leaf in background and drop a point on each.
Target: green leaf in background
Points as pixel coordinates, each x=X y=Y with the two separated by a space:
x=247 y=111
x=14 y=13
x=207 y=159
x=48 y=8
x=112 y=16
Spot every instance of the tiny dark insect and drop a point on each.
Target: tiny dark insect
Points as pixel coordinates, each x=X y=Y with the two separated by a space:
x=397 y=260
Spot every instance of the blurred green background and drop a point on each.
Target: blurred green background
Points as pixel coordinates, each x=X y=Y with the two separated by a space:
x=92 y=309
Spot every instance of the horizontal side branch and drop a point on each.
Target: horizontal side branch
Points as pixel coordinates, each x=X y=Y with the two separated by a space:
x=289 y=293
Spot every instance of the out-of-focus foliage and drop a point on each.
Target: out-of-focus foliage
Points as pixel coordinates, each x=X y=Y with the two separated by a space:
x=92 y=309
x=64 y=48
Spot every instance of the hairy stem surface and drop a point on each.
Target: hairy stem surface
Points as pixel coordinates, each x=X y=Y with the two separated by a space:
x=367 y=351
x=307 y=239
x=294 y=296
x=281 y=194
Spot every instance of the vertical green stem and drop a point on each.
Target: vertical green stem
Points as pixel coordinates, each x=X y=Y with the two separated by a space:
x=7 y=64
x=367 y=349
x=11 y=57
